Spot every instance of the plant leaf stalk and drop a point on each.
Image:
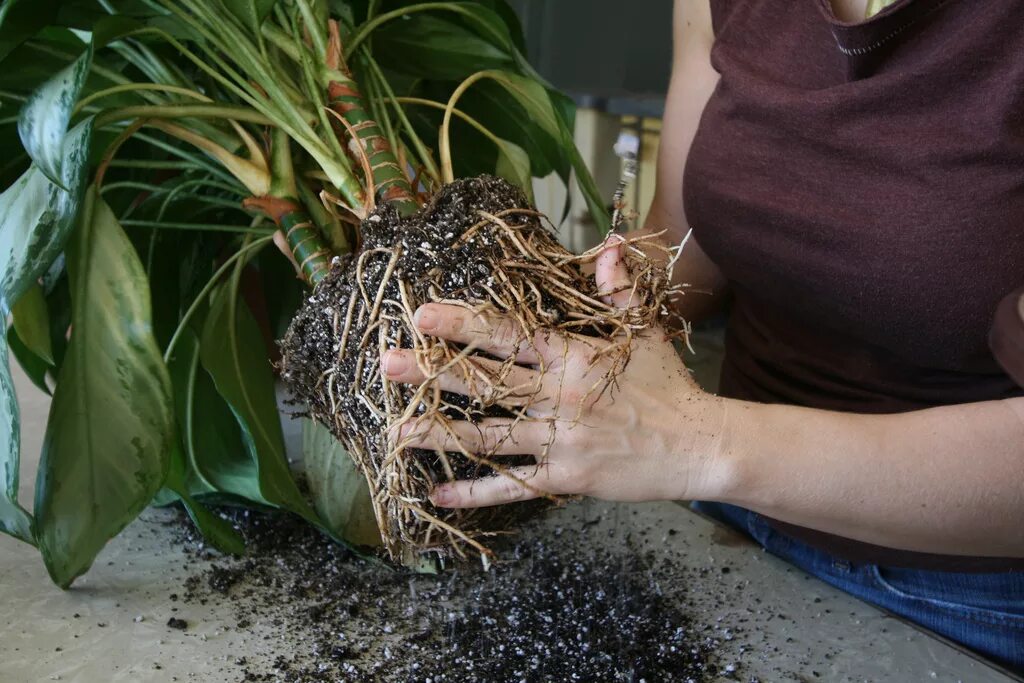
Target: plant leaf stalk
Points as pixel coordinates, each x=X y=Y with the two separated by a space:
x=282 y=206
x=267 y=92
x=389 y=180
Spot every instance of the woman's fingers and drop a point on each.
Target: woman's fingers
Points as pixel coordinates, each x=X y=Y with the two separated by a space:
x=517 y=484
x=497 y=335
x=490 y=437
x=504 y=383
x=493 y=436
x=612 y=275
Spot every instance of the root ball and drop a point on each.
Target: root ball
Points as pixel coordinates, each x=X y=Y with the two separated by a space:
x=477 y=244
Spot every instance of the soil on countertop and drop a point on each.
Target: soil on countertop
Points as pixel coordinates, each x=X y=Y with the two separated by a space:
x=554 y=609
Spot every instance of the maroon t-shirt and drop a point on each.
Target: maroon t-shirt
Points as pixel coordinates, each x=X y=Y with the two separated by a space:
x=862 y=188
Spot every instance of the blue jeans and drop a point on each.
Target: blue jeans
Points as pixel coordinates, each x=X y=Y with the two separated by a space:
x=984 y=612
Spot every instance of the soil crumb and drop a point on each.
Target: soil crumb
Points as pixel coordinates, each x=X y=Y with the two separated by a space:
x=307 y=610
x=177 y=624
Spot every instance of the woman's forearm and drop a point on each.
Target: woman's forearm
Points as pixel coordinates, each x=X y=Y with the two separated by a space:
x=945 y=480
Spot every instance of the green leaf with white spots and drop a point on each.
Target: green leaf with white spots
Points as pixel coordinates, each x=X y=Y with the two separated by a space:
x=14 y=520
x=108 y=440
x=36 y=217
x=43 y=121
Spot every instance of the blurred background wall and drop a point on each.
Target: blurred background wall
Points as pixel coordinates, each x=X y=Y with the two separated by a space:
x=614 y=59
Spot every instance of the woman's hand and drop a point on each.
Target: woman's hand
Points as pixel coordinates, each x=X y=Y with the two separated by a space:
x=652 y=435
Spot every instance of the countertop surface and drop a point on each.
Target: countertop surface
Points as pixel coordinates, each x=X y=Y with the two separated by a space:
x=768 y=621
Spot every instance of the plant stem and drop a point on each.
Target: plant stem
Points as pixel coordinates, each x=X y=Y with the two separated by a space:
x=310 y=72
x=389 y=180
x=330 y=227
x=444 y=142
x=282 y=206
x=212 y=227
x=267 y=95
x=179 y=192
x=316 y=33
x=145 y=61
x=182 y=111
x=270 y=93
x=252 y=173
x=200 y=162
x=160 y=189
x=377 y=106
x=153 y=165
x=131 y=87
x=425 y=157
x=281 y=40
x=244 y=93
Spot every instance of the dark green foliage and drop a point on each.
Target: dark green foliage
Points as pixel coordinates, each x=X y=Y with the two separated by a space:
x=150 y=309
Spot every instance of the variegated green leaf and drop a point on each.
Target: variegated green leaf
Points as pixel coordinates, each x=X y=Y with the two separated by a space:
x=43 y=121
x=13 y=518
x=35 y=219
x=108 y=439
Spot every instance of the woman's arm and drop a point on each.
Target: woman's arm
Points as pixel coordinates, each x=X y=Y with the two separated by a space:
x=693 y=81
x=946 y=480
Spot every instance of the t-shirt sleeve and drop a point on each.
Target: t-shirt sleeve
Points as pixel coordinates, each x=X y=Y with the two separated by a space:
x=1007 y=336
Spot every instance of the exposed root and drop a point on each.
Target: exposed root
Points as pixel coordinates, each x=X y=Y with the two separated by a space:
x=478 y=245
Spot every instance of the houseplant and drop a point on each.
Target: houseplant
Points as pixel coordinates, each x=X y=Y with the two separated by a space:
x=157 y=149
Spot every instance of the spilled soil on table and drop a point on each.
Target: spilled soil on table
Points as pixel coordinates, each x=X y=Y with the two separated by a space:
x=555 y=609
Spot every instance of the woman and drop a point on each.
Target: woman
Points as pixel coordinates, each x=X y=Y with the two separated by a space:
x=857 y=187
